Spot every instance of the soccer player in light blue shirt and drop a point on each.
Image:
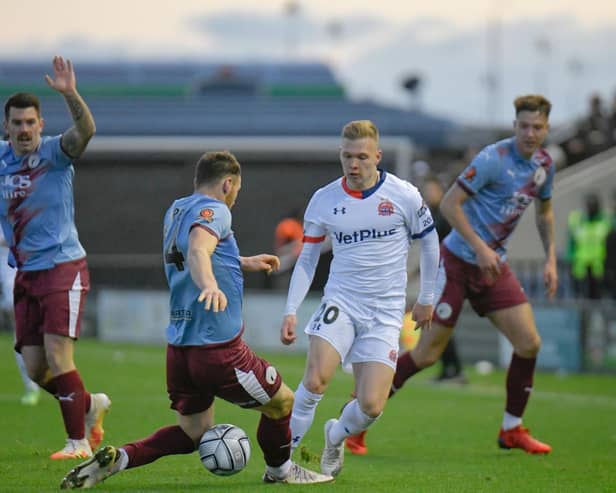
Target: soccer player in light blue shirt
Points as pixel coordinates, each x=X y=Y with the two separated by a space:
x=483 y=207
x=37 y=219
x=206 y=356
x=189 y=323
x=37 y=210
x=501 y=183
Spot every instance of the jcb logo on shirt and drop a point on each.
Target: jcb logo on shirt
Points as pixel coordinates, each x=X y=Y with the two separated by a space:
x=517 y=204
x=14 y=186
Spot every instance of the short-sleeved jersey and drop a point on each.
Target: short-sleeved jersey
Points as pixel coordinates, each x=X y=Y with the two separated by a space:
x=370 y=232
x=37 y=211
x=189 y=323
x=501 y=185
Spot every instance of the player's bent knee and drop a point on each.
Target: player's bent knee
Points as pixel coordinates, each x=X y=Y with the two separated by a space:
x=533 y=347
x=315 y=384
x=529 y=348
x=373 y=409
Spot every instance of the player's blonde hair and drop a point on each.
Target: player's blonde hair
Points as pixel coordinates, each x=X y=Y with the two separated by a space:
x=360 y=129
x=532 y=102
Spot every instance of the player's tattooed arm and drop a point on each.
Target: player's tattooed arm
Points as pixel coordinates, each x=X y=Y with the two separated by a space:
x=75 y=140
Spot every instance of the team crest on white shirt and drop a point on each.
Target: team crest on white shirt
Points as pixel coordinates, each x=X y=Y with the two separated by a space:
x=386 y=208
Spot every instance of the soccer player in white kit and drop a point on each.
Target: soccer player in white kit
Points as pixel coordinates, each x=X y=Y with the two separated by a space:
x=371 y=217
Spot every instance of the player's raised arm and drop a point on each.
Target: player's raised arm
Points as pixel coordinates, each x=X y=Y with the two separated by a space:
x=201 y=246
x=76 y=138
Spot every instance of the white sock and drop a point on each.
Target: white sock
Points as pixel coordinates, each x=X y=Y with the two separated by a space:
x=351 y=421
x=280 y=471
x=302 y=416
x=510 y=421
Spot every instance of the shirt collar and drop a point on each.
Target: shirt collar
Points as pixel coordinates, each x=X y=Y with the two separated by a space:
x=362 y=194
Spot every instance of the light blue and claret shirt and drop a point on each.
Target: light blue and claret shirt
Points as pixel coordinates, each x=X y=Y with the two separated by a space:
x=189 y=323
x=501 y=185
x=37 y=212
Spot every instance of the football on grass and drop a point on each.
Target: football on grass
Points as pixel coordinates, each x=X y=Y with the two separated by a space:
x=224 y=449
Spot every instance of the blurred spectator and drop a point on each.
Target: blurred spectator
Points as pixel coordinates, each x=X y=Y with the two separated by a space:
x=288 y=237
x=593 y=133
x=588 y=231
x=421 y=169
x=455 y=167
x=610 y=257
x=288 y=240
x=451 y=366
x=432 y=192
x=595 y=128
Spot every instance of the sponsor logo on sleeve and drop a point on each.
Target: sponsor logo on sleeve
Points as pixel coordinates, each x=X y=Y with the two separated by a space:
x=207 y=215
x=470 y=173
x=422 y=210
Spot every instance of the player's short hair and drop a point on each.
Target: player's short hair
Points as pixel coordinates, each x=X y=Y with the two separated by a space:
x=532 y=102
x=360 y=129
x=212 y=166
x=22 y=100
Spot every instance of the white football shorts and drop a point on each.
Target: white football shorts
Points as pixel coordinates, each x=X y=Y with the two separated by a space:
x=368 y=335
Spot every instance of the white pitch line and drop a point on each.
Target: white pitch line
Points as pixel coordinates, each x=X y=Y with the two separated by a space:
x=545 y=395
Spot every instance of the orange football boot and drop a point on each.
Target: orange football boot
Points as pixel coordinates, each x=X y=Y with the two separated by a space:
x=356 y=444
x=519 y=437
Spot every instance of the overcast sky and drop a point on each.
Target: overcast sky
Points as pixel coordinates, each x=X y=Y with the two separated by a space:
x=561 y=48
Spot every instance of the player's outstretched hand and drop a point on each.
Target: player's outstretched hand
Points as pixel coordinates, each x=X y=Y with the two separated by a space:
x=64 y=76
x=287 y=330
x=214 y=299
x=268 y=263
x=422 y=315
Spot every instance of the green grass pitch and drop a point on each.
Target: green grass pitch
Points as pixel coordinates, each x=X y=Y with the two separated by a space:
x=430 y=439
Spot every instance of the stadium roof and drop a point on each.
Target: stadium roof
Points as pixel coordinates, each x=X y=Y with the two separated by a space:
x=190 y=99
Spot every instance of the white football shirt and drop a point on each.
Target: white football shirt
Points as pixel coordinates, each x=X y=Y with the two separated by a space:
x=370 y=232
